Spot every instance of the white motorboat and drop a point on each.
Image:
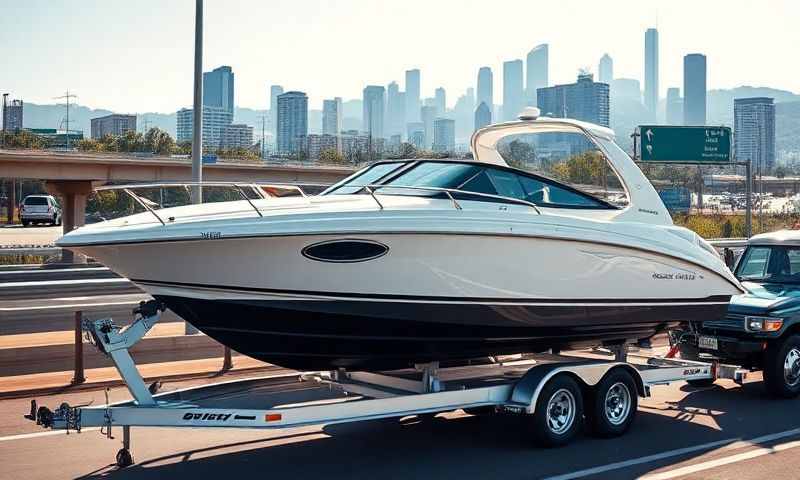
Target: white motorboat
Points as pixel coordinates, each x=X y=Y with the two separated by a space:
x=412 y=261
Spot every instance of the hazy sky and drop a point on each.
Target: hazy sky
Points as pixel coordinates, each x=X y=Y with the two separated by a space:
x=136 y=56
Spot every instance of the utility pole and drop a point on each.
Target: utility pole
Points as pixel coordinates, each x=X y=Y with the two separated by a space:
x=5 y=101
x=146 y=124
x=67 y=95
x=197 y=113
x=197 y=120
x=263 y=136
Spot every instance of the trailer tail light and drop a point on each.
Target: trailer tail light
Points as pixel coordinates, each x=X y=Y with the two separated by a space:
x=273 y=417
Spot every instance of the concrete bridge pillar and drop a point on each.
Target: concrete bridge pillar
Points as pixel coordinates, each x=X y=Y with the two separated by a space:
x=73 y=194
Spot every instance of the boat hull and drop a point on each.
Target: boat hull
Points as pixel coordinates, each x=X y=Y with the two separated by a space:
x=427 y=297
x=384 y=334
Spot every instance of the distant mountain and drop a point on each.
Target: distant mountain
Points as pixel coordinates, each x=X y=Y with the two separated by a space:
x=720 y=102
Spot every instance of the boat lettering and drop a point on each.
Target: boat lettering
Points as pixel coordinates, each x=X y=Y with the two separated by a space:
x=693 y=371
x=674 y=276
x=211 y=235
x=220 y=417
x=651 y=212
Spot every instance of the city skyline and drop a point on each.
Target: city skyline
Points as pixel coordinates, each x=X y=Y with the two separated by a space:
x=452 y=66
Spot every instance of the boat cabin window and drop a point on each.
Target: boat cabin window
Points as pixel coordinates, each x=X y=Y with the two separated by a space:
x=370 y=176
x=569 y=158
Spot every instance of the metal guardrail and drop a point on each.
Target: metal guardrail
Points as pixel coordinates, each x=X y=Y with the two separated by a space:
x=728 y=242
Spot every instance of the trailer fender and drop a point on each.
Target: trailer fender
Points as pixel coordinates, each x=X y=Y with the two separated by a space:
x=526 y=391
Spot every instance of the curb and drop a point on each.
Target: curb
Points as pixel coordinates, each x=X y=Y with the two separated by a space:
x=72 y=388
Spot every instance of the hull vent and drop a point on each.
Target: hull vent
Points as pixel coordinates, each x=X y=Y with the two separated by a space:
x=345 y=251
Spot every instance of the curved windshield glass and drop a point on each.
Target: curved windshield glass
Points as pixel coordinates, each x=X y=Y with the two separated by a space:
x=469 y=177
x=569 y=158
x=774 y=264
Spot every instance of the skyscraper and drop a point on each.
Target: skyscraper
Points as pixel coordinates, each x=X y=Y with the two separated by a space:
x=412 y=95
x=218 y=88
x=651 y=71
x=274 y=91
x=12 y=116
x=605 y=69
x=444 y=135
x=332 y=116
x=464 y=114
x=674 y=107
x=215 y=121
x=428 y=115
x=114 y=125
x=538 y=74
x=585 y=100
x=292 y=121
x=440 y=101
x=483 y=116
x=485 y=87
x=374 y=98
x=513 y=100
x=395 y=110
x=754 y=130
x=694 y=89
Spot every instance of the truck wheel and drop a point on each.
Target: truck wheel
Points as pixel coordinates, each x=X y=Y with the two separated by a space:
x=25 y=223
x=558 y=414
x=613 y=404
x=782 y=367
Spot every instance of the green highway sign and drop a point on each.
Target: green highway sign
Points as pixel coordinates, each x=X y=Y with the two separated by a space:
x=669 y=143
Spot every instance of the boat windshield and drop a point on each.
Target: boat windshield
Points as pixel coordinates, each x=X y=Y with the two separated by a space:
x=468 y=177
x=770 y=264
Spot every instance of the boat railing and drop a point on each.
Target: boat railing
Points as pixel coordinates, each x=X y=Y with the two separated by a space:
x=255 y=187
x=449 y=192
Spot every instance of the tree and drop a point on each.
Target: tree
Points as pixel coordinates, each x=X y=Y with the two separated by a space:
x=332 y=157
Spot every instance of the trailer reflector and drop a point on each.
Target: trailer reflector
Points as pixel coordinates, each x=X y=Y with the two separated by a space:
x=273 y=417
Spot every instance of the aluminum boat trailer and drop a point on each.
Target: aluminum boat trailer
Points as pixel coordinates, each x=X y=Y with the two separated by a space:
x=559 y=394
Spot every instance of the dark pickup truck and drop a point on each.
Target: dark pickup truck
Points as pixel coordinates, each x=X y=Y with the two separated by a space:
x=761 y=330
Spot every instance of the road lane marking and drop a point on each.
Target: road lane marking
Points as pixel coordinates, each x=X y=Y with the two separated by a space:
x=22 y=436
x=55 y=270
x=728 y=444
x=48 y=283
x=679 y=472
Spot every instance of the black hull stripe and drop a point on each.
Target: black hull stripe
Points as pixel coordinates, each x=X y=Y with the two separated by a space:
x=380 y=296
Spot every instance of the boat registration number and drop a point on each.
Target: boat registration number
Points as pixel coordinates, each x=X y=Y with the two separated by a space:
x=709 y=343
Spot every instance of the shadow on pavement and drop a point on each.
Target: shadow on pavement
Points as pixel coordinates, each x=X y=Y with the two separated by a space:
x=477 y=447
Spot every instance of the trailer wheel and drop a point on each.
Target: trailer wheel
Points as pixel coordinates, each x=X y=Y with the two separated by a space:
x=613 y=404
x=782 y=367
x=558 y=414
x=124 y=458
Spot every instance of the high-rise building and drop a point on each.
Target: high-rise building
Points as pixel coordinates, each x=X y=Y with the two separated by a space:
x=464 y=113
x=444 y=135
x=215 y=120
x=218 y=88
x=605 y=70
x=237 y=135
x=416 y=134
x=651 y=71
x=114 y=125
x=428 y=116
x=585 y=100
x=626 y=88
x=694 y=89
x=332 y=116
x=674 y=107
x=292 y=122
x=12 y=116
x=412 y=95
x=485 y=87
x=395 y=110
x=538 y=73
x=374 y=99
x=440 y=98
x=754 y=131
x=483 y=116
x=274 y=91
x=513 y=101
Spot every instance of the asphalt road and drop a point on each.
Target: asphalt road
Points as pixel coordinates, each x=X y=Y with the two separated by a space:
x=725 y=431
x=16 y=235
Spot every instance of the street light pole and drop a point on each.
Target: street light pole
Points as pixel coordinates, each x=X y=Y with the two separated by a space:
x=197 y=113
x=197 y=120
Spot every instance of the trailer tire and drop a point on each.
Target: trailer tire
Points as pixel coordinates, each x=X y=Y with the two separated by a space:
x=558 y=415
x=613 y=404
x=124 y=458
x=782 y=367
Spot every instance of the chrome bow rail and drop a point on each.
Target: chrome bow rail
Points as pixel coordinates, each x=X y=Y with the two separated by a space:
x=257 y=188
